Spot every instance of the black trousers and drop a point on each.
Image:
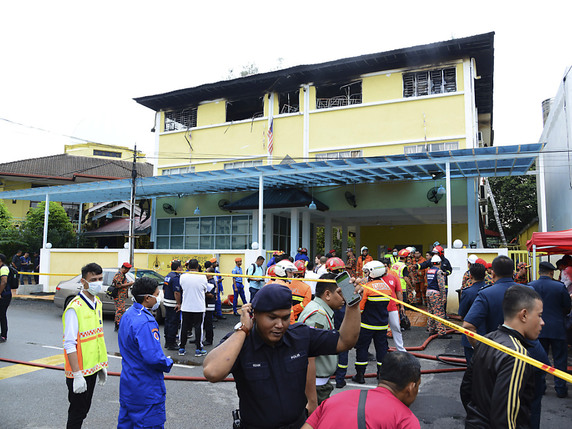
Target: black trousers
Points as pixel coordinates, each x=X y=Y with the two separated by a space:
x=4 y=304
x=190 y=321
x=79 y=402
x=209 y=333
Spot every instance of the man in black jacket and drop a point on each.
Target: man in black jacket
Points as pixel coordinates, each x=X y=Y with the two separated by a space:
x=497 y=389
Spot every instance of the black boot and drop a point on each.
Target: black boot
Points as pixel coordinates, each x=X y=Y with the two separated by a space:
x=359 y=377
x=116 y=326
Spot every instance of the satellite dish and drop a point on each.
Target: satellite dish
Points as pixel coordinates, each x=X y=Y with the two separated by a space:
x=222 y=203
x=351 y=199
x=169 y=209
x=433 y=195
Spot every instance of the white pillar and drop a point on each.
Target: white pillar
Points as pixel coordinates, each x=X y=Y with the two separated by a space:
x=306 y=229
x=294 y=231
x=448 y=188
x=473 y=212
x=260 y=210
x=344 y=239
x=46 y=216
x=327 y=234
x=254 y=232
x=306 y=132
x=154 y=222
x=269 y=232
x=79 y=218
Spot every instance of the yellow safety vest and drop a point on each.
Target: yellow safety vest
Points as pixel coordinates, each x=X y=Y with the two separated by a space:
x=398 y=267
x=91 y=350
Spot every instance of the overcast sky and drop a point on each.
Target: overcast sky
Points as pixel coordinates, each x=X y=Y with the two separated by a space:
x=72 y=69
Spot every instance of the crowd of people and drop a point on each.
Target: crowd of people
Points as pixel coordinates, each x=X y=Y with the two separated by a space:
x=294 y=336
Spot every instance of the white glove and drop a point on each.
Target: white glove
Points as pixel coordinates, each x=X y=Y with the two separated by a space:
x=79 y=383
x=102 y=376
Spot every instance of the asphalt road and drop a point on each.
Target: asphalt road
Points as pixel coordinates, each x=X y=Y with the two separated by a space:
x=38 y=399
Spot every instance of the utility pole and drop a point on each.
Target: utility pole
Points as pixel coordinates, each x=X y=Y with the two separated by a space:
x=132 y=209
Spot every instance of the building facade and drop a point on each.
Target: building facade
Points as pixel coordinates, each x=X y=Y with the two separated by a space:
x=429 y=98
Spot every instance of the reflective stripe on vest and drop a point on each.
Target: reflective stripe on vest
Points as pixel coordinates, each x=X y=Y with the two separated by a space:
x=90 y=347
x=377 y=298
x=399 y=267
x=374 y=328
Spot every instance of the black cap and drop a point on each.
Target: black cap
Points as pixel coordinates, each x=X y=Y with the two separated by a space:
x=272 y=297
x=546 y=266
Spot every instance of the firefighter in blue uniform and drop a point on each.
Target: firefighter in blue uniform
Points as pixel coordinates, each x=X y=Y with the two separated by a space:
x=142 y=390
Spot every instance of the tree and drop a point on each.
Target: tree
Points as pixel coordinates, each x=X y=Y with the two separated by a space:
x=516 y=201
x=60 y=228
x=5 y=217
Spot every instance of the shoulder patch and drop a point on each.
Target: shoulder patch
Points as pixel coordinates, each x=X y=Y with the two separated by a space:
x=156 y=335
x=318 y=325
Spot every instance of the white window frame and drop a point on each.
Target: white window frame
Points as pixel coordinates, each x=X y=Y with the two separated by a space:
x=430 y=147
x=177 y=170
x=242 y=164
x=339 y=155
x=429 y=82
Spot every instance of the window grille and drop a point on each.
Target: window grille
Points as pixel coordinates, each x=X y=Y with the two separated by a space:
x=432 y=147
x=110 y=154
x=242 y=164
x=438 y=81
x=178 y=170
x=181 y=119
x=328 y=96
x=339 y=155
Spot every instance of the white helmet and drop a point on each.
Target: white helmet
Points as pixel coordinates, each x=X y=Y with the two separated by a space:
x=363 y=248
x=283 y=266
x=376 y=269
x=411 y=249
x=472 y=259
x=435 y=259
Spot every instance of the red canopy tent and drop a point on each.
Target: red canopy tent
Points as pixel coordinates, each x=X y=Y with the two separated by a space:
x=553 y=243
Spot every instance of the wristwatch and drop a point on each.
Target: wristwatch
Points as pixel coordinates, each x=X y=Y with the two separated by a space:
x=241 y=327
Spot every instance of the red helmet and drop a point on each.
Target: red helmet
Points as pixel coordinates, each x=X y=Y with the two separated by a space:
x=403 y=252
x=334 y=264
x=301 y=265
x=302 y=250
x=270 y=271
x=439 y=250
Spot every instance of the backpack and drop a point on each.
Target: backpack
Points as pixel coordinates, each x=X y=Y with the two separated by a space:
x=248 y=280
x=13 y=281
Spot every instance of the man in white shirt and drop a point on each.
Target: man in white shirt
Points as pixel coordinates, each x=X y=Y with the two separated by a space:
x=256 y=269
x=193 y=307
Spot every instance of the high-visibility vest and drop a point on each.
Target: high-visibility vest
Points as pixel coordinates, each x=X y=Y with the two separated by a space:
x=398 y=267
x=91 y=350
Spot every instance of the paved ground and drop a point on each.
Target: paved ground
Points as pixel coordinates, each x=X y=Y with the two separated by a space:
x=38 y=399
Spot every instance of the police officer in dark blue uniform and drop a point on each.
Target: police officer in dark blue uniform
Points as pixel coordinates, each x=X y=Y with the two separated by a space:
x=269 y=358
x=172 y=303
x=468 y=296
x=556 y=302
x=486 y=314
x=142 y=390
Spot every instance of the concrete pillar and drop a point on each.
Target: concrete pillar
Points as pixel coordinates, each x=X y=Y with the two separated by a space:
x=269 y=232
x=344 y=239
x=306 y=229
x=358 y=240
x=449 y=218
x=46 y=217
x=294 y=231
x=254 y=232
x=327 y=234
x=473 y=212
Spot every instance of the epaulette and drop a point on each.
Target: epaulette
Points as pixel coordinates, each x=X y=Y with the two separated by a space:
x=485 y=286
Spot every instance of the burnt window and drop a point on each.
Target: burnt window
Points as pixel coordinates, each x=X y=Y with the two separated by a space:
x=110 y=154
x=289 y=102
x=181 y=119
x=339 y=94
x=246 y=108
x=438 y=81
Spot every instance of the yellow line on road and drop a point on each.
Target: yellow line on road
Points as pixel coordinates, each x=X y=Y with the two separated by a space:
x=15 y=370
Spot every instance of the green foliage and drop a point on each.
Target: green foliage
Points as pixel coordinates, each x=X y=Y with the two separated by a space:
x=5 y=217
x=336 y=242
x=515 y=197
x=60 y=228
x=11 y=241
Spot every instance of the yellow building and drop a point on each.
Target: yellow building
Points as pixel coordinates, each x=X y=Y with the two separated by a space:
x=429 y=98
x=81 y=163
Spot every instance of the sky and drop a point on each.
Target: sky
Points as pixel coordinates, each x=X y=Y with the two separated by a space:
x=70 y=69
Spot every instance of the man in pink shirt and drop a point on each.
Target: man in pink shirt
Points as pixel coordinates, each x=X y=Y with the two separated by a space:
x=386 y=406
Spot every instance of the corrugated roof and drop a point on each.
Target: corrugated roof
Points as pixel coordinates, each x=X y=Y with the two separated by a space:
x=65 y=168
x=480 y=47
x=464 y=163
x=120 y=227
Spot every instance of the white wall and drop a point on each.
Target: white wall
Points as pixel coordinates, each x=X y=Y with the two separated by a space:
x=557 y=156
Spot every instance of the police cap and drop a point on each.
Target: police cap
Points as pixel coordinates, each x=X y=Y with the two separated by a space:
x=272 y=297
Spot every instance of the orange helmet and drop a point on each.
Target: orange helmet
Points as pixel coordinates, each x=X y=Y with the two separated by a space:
x=301 y=265
x=439 y=250
x=270 y=271
x=334 y=264
x=403 y=252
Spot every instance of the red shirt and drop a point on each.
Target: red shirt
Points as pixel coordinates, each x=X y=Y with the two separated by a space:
x=382 y=411
x=395 y=284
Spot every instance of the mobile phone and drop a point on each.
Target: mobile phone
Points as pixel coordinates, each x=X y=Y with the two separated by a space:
x=343 y=281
